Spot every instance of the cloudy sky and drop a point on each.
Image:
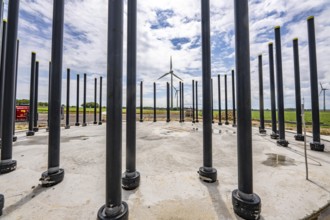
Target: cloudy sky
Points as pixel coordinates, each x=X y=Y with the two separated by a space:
x=173 y=28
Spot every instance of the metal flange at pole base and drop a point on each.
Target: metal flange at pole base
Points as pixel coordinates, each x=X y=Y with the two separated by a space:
x=283 y=143
x=122 y=214
x=246 y=208
x=7 y=166
x=130 y=181
x=299 y=137
x=274 y=136
x=262 y=130
x=317 y=146
x=50 y=179
x=208 y=174
x=67 y=126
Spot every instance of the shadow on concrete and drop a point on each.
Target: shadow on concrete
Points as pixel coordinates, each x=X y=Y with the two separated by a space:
x=35 y=192
x=318 y=185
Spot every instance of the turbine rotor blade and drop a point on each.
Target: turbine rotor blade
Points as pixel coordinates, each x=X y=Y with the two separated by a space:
x=177 y=76
x=163 y=75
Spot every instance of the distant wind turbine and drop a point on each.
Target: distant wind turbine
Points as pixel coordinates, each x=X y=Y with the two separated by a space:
x=172 y=74
x=323 y=90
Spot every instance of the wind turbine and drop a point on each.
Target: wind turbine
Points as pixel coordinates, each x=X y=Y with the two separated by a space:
x=172 y=74
x=323 y=90
x=176 y=95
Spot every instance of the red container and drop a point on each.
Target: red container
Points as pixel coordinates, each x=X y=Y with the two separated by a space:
x=22 y=112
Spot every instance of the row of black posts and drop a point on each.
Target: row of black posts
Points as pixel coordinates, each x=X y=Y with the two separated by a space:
x=194 y=100
x=280 y=133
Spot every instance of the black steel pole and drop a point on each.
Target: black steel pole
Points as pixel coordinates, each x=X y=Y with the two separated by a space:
x=219 y=100
x=226 y=102
x=261 y=98
x=84 y=107
x=212 y=109
x=131 y=177
x=193 y=101
x=67 y=121
x=168 y=119
x=316 y=144
x=196 y=88
x=182 y=99
x=15 y=96
x=274 y=134
x=234 y=98
x=7 y=164
x=114 y=207
x=141 y=101
x=2 y=68
x=55 y=174
x=280 y=98
x=207 y=173
x=77 y=105
x=246 y=204
x=35 y=118
x=30 y=132
x=155 y=116
x=95 y=100
x=299 y=136
x=100 y=107
x=49 y=91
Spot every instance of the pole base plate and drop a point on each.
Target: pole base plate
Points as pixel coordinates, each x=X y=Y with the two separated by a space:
x=220 y=123
x=226 y=123
x=67 y=127
x=84 y=124
x=234 y=125
x=8 y=166
x=299 y=137
x=317 y=146
x=14 y=138
x=262 y=130
x=246 y=209
x=48 y=180
x=141 y=120
x=35 y=129
x=121 y=215
x=130 y=181
x=168 y=120
x=283 y=143
x=30 y=133
x=2 y=203
x=100 y=122
x=274 y=136
x=77 y=124
x=95 y=122
x=208 y=174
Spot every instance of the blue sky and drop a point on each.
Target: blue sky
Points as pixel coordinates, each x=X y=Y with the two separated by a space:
x=173 y=28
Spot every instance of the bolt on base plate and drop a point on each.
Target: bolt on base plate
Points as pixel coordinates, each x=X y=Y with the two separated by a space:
x=122 y=214
x=8 y=166
x=130 y=181
x=48 y=180
x=246 y=209
x=208 y=174
x=317 y=146
x=283 y=143
x=299 y=137
x=30 y=133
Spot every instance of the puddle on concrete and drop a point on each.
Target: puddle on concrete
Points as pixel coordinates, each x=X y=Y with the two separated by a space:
x=43 y=140
x=274 y=160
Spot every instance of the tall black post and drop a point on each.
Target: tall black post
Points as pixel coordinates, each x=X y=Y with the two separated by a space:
x=219 y=100
x=212 y=111
x=55 y=174
x=84 y=107
x=67 y=120
x=261 y=98
x=226 y=102
x=299 y=136
x=49 y=91
x=15 y=92
x=100 y=107
x=131 y=177
x=280 y=99
x=234 y=98
x=274 y=134
x=7 y=164
x=155 y=116
x=141 y=101
x=77 y=105
x=95 y=100
x=168 y=119
x=207 y=173
x=246 y=204
x=2 y=68
x=193 y=101
x=36 y=84
x=316 y=144
x=196 y=88
x=182 y=99
x=30 y=132
x=114 y=207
